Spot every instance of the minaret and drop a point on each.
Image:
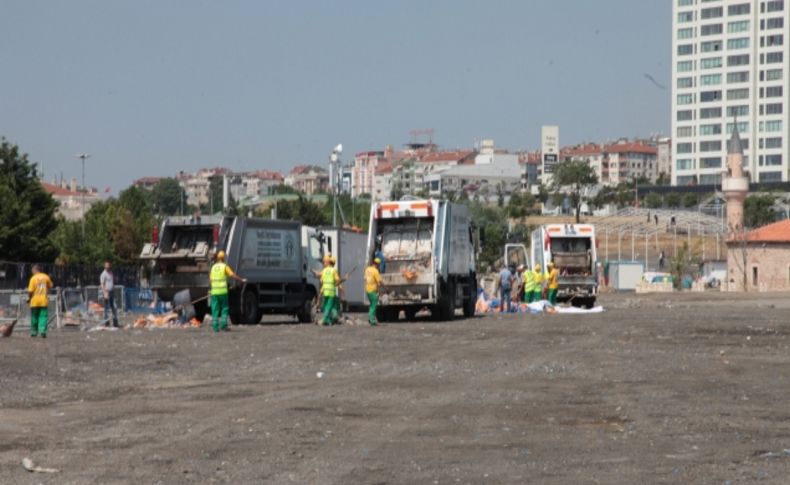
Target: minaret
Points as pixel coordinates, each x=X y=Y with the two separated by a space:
x=735 y=184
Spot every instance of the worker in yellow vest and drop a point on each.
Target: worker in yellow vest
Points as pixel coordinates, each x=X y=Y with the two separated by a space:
x=330 y=280
x=537 y=283
x=529 y=284
x=372 y=285
x=218 y=276
x=38 y=290
x=552 y=283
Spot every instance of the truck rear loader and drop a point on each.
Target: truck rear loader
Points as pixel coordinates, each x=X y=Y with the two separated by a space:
x=428 y=253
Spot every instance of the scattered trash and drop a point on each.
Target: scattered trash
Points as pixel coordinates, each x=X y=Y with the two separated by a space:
x=28 y=465
x=319 y=374
x=773 y=454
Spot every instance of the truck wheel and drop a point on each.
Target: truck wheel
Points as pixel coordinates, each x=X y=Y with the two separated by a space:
x=411 y=314
x=247 y=308
x=471 y=299
x=306 y=314
x=201 y=309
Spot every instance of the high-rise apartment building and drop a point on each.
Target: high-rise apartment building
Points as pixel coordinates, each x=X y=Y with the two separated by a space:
x=729 y=61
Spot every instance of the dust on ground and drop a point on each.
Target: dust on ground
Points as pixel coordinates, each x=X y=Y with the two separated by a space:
x=688 y=388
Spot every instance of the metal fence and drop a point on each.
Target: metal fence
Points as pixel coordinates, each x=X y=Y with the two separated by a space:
x=15 y=275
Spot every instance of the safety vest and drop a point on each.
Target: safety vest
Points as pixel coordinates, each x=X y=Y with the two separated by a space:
x=552 y=277
x=219 y=280
x=537 y=279
x=328 y=281
x=529 y=281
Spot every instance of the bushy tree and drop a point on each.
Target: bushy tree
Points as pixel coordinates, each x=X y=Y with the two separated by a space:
x=167 y=197
x=27 y=211
x=690 y=199
x=653 y=200
x=573 y=178
x=758 y=210
x=672 y=200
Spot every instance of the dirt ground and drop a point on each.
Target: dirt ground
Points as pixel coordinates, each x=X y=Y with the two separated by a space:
x=693 y=388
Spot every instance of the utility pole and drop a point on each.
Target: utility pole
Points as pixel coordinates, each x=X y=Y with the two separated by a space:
x=83 y=156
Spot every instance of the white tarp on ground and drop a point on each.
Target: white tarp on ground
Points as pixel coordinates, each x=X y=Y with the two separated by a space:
x=598 y=309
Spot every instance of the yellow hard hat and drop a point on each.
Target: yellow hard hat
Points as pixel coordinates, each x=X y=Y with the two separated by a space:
x=327 y=258
x=332 y=259
x=551 y=264
x=221 y=255
x=377 y=260
x=537 y=267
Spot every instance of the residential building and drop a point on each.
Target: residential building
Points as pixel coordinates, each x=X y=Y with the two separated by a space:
x=664 y=158
x=729 y=62
x=484 y=181
x=309 y=179
x=146 y=182
x=617 y=162
x=382 y=182
x=364 y=170
x=70 y=198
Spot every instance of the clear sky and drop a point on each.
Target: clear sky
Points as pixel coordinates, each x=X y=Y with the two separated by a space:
x=151 y=87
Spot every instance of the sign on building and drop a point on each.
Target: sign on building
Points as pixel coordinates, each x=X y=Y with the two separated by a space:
x=550 y=147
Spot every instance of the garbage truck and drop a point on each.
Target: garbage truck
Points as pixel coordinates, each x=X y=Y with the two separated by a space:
x=428 y=258
x=573 y=249
x=279 y=259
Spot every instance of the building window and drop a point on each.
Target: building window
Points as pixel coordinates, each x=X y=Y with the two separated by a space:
x=775 y=142
x=710 y=179
x=710 y=46
x=687 y=33
x=706 y=113
x=738 y=77
x=712 y=29
x=742 y=110
x=711 y=13
x=739 y=60
x=754 y=277
x=739 y=26
x=687 y=180
x=742 y=93
x=710 y=79
x=684 y=131
x=710 y=162
x=684 y=17
x=775 y=23
x=685 y=3
x=710 y=146
x=773 y=57
x=743 y=127
x=772 y=126
x=685 y=98
x=775 y=6
x=685 y=82
x=709 y=63
x=740 y=43
x=773 y=92
x=770 y=176
x=773 y=75
x=773 y=40
x=685 y=49
x=685 y=66
x=740 y=9
x=684 y=164
x=685 y=148
x=714 y=129
x=685 y=115
x=773 y=160
x=773 y=109
x=708 y=96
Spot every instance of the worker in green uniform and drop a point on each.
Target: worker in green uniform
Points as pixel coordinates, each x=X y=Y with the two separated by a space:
x=537 y=282
x=38 y=291
x=330 y=279
x=552 y=283
x=529 y=285
x=218 y=276
x=372 y=285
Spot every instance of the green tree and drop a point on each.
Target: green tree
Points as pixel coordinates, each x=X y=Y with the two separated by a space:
x=516 y=208
x=653 y=200
x=758 y=210
x=168 y=197
x=690 y=200
x=672 y=200
x=304 y=211
x=573 y=178
x=27 y=211
x=396 y=192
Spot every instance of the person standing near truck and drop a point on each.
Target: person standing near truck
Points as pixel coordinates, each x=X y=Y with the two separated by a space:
x=505 y=287
x=37 y=291
x=330 y=280
x=218 y=276
x=537 y=283
x=372 y=285
x=106 y=282
x=552 y=283
x=529 y=284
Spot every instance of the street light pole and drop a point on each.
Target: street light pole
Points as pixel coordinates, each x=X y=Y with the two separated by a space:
x=83 y=156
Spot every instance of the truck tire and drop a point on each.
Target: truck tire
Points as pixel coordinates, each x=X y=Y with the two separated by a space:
x=201 y=309
x=306 y=313
x=411 y=314
x=445 y=307
x=471 y=298
x=246 y=308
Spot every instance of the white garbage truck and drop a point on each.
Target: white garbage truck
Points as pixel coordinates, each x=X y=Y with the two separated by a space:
x=428 y=258
x=279 y=259
x=573 y=249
